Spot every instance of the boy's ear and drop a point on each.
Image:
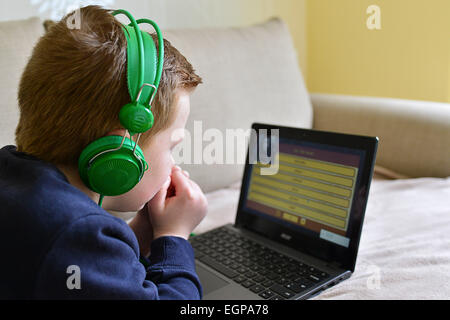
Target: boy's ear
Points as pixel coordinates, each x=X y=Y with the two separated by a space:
x=48 y=24
x=117 y=132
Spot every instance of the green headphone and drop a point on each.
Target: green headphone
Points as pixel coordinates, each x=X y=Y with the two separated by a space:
x=113 y=165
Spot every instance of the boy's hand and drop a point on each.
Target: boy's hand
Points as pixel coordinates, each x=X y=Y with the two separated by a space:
x=178 y=207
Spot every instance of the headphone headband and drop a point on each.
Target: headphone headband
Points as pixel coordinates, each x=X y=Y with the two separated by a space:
x=140 y=42
x=113 y=165
x=139 y=72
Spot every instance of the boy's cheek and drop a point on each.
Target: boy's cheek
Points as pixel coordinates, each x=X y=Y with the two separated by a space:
x=141 y=207
x=148 y=189
x=133 y=200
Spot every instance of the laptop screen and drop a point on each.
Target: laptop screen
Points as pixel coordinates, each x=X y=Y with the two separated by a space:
x=310 y=190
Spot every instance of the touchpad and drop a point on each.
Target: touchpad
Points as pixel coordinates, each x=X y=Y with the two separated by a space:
x=210 y=282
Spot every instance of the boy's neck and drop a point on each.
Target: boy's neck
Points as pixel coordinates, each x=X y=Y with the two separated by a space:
x=74 y=179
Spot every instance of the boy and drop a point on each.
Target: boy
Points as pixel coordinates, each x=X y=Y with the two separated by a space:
x=56 y=242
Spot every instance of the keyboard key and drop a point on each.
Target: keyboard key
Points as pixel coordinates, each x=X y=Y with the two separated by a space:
x=302 y=283
x=198 y=254
x=266 y=294
x=295 y=287
x=240 y=279
x=247 y=283
x=271 y=266
x=227 y=253
x=242 y=270
x=220 y=258
x=282 y=291
x=291 y=268
x=272 y=276
x=263 y=272
x=256 y=268
x=302 y=265
x=214 y=255
x=302 y=272
x=257 y=288
x=219 y=267
x=227 y=262
x=268 y=283
x=322 y=275
x=282 y=281
x=279 y=271
x=276 y=297
x=234 y=266
x=247 y=263
x=232 y=256
x=313 y=278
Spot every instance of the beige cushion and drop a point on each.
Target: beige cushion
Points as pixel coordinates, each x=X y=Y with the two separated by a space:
x=250 y=75
x=17 y=39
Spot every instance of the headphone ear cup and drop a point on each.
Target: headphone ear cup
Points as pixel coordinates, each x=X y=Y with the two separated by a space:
x=112 y=173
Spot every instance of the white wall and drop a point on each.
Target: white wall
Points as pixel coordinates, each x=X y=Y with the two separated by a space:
x=168 y=13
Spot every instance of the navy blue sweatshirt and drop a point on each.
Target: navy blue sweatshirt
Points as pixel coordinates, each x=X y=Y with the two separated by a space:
x=56 y=243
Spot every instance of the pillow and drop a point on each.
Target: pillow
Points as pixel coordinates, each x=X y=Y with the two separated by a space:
x=17 y=39
x=250 y=74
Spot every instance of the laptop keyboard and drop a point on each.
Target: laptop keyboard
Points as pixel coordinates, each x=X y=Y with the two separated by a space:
x=262 y=270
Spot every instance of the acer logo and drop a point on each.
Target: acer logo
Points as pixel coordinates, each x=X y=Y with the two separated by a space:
x=285 y=236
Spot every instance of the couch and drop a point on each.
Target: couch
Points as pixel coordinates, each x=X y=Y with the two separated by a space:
x=251 y=75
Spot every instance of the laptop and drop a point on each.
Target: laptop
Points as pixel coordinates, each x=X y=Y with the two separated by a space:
x=299 y=218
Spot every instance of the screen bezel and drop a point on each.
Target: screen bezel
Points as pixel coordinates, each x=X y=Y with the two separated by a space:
x=322 y=249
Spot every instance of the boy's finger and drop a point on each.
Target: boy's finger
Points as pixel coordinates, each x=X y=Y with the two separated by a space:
x=196 y=187
x=180 y=182
x=160 y=197
x=176 y=168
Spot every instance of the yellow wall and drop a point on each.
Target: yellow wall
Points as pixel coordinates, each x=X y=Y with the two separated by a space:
x=408 y=58
x=294 y=13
